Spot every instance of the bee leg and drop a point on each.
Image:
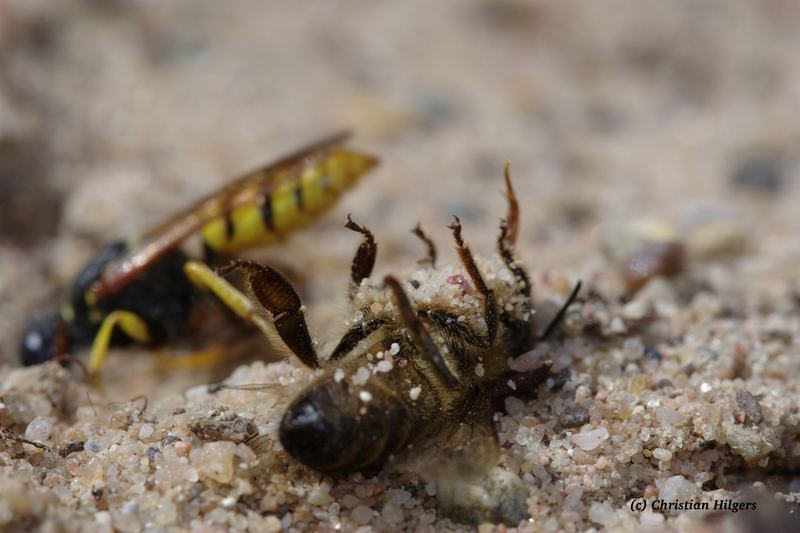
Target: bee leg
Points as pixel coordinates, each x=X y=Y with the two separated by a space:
x=130 y=323
x=276 y=295
x=429 y=259
x=512 y=217
x=506 y=250
x=205 y=278
x=489 y=303
x=509 y=228
x=364 y=260
x=418 y=332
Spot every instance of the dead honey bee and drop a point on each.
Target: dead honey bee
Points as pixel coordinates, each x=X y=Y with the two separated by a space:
x=416 y=365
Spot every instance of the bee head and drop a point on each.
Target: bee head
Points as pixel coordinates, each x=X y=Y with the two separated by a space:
x=44 y=338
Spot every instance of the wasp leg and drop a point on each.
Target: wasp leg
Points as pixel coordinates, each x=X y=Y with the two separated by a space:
x=130 y=323
x=200 y=359
x=418 y=332
x=489 y=303
x=364 y=260
x=429 y=259
x=204 y=277
x=277 y=296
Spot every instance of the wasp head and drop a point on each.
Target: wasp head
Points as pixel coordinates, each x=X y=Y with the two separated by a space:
x=45 y=337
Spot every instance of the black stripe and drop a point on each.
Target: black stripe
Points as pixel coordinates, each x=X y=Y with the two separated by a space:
x=230 y=229
x=266 y=212
x=298 y=196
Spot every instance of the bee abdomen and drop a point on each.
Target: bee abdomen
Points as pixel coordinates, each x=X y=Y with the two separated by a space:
x=333 y=430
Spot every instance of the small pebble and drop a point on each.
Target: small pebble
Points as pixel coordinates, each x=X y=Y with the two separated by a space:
x=759 y=173
x=589 y=440
x=145 y=431
x=228 y=502
x=748 y=403
x=574 y=416
x=662 y=454
x=650 y=260
x=39 y=430
x=362 y=514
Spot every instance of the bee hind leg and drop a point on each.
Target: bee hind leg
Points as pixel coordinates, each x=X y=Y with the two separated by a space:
x=206 y=278
x=364 y=260
x=275 y=294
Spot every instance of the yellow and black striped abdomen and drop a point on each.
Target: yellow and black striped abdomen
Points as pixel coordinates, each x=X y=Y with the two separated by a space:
x=286 y=203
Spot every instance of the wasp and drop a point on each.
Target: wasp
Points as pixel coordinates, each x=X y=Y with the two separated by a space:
x=144 y=290
x=418 y=362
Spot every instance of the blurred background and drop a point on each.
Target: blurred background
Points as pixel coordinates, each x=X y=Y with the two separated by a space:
x=115 y=113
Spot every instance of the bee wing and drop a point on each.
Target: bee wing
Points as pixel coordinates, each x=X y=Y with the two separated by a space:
x=467 y=449
x=245 y=190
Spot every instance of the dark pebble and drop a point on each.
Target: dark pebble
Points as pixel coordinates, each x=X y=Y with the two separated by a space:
x=652 y=353
x=651 y=260
x=759 y=174
x=663 y=383
x=748 y=403
x=574 y=416
x=225 y=427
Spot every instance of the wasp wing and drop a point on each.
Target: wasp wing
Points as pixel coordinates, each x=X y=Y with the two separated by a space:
x=249 y=189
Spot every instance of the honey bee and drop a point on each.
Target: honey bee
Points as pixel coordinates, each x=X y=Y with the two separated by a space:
x=144 y=290
x=415 y=367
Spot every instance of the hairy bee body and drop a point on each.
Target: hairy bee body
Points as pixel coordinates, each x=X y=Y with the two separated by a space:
x=385 y=396
x=418 y=361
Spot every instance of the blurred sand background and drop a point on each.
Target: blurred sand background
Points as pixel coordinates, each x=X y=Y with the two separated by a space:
x=114 y=114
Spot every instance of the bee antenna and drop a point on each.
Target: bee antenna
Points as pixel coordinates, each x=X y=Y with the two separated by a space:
x=561 y=312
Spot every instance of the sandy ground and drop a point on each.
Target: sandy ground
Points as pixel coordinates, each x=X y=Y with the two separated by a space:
x=625 y=124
